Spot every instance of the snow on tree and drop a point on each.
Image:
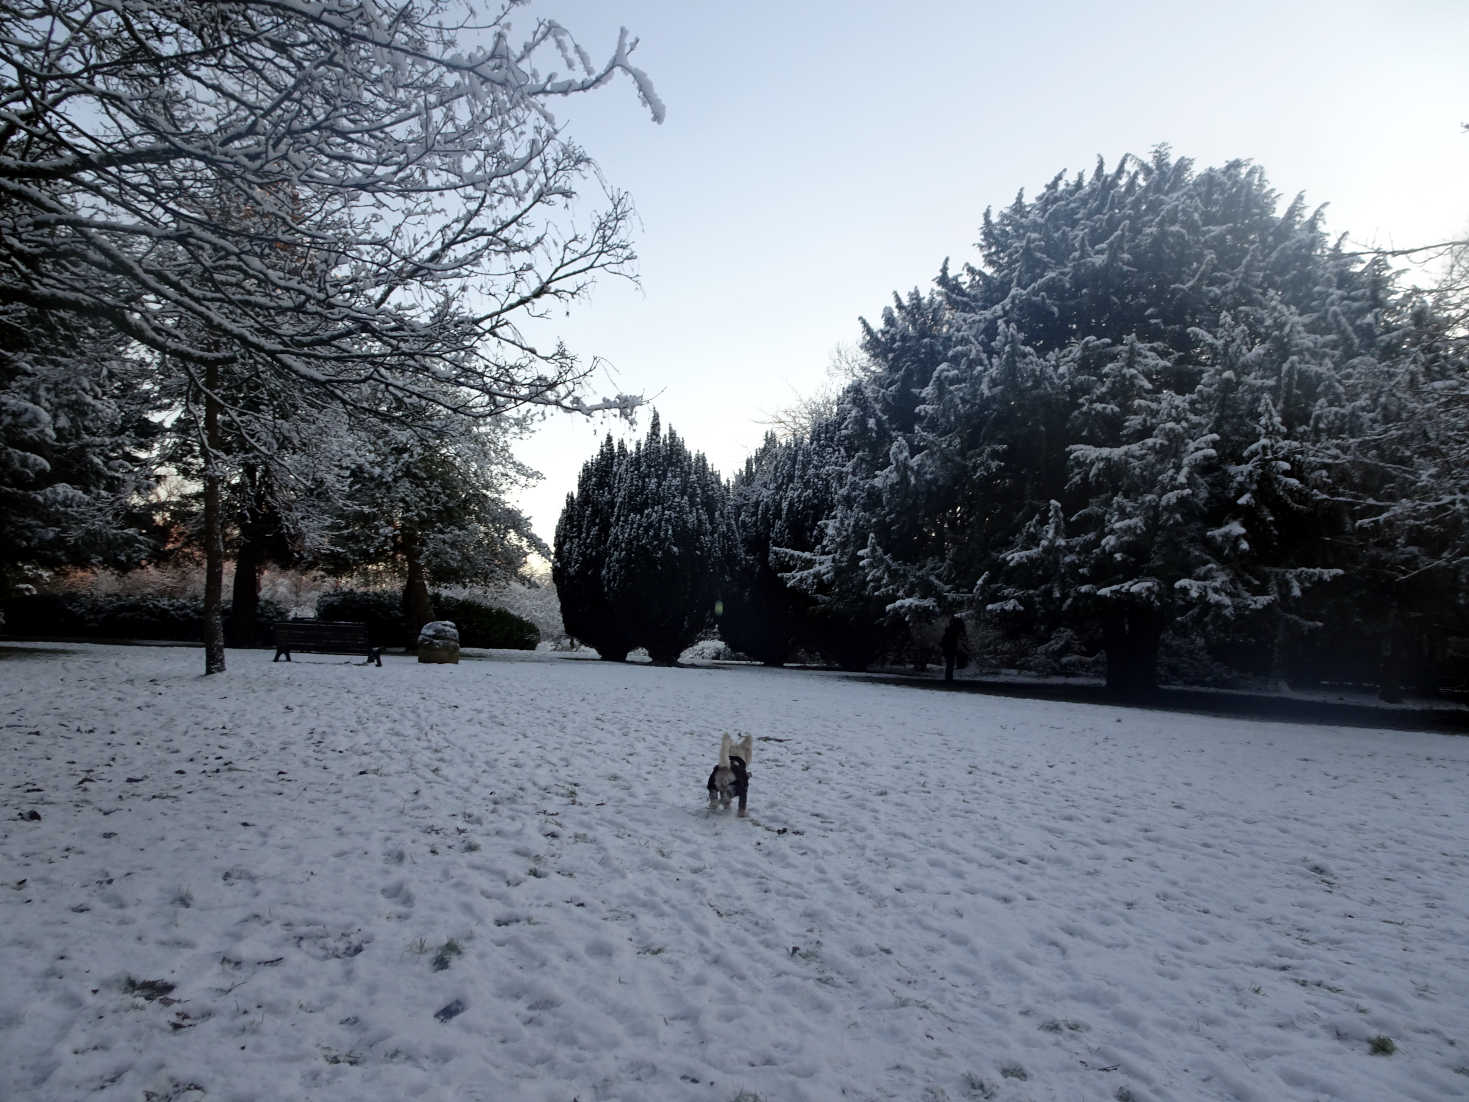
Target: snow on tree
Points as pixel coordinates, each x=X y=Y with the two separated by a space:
x=669 y=544
x=428 y=502
x=399 y=200
x=776 y=509
x=75 y=436
x=582 y=542
x=815 y=540
x=1400 y=468
x=1116 y=419
x=642 y=548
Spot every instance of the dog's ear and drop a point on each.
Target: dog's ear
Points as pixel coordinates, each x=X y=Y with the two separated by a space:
x=745 y=746
x=724 y=748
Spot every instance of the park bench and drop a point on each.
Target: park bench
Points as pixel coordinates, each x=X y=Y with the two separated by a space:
x=324 y=637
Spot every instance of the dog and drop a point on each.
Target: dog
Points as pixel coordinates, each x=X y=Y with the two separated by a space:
x=731 y=777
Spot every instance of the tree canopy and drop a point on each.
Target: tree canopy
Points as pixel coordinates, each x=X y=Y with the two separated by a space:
x=642 y=548
x=1158 y=401
x=337 y=205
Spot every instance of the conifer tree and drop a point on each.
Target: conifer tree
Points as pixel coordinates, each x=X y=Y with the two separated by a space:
x=582 y=542
x=777 y=504
x=76 y=435
x=669 y=546
x=1127 y=396
x=428 y=502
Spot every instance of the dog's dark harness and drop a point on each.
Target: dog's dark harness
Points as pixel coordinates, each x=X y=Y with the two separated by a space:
x=734 y=782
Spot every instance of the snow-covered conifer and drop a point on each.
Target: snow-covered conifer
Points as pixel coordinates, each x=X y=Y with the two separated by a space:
x=582 y=542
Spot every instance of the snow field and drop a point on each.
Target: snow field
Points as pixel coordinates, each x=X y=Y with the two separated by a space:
x=498 y=880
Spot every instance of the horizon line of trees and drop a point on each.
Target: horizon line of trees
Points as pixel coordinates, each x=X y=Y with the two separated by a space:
x=1159 y=410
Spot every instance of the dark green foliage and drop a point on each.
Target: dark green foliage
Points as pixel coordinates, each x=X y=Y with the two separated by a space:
x=781 y=597
x=669 y=545
x=1120 y=422
x=76 y=440
x=85 y=616
x=1161 y=407
x=642 y=547
x=487 y=626
x=583 y=535
x=380 y=610
x=479 y=624
x=762 y=616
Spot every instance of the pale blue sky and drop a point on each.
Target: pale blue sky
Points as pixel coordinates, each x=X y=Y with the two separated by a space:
x=818 y=156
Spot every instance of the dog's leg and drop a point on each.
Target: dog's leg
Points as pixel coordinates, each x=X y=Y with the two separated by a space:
x=741 y=782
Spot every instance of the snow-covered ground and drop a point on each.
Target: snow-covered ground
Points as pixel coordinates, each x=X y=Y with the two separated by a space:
x=498 y=880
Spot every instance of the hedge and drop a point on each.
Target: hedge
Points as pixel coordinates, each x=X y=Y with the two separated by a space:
x=479 y=624
x=89 y=616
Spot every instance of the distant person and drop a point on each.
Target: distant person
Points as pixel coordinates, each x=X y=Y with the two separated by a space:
x=955 y=645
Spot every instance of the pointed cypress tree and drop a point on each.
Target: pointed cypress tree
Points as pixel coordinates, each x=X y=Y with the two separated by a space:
x=668 y=546
x=583 y=535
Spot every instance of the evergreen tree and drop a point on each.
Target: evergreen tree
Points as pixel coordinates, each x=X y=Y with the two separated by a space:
x=582 y=542
x=428 y=502
x=814 y=546
x=76 y=439
x=1400 y=461
x=1118 y=417
x=669 y=546
x=643 y=547
x=777 y=504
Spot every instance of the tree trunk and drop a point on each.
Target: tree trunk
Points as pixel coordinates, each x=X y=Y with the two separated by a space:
x=1395 y=656
x=1131 y=637
x=1430 y=655
x=213 y=529
x=245 y=593
x=418 y=608
x=1279 y=682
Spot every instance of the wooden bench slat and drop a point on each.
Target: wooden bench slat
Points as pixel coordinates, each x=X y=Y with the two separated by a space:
x=323 y=637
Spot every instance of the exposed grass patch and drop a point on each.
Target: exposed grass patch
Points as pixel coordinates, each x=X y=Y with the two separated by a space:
x=147 y=989
x=976 y=1087
x=446 y=954
x=1056 y=1025
x=1381 y=1045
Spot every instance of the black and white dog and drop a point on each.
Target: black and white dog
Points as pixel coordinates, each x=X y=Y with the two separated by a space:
x=731 y=777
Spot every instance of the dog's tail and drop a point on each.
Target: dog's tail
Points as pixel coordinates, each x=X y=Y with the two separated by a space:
x=728 y=746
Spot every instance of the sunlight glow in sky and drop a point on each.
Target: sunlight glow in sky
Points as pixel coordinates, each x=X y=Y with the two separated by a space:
x=818 y=156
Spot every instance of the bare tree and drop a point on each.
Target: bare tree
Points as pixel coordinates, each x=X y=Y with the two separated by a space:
x=347 y=199
x=847 y=364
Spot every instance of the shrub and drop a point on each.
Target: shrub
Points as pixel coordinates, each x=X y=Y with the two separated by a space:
x=380 y=610
x=116 y=616
x=38 y=614
x=267 y=612
x=479 y=624
x=482 y=625
x=146 y=618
